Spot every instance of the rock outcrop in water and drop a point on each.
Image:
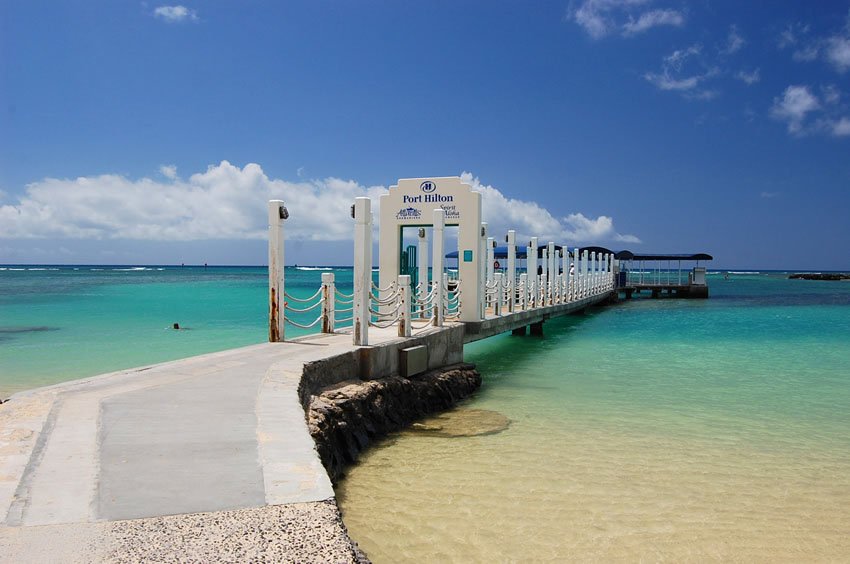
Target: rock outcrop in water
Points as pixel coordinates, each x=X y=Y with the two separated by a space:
x=819 y=276
x=344 y=419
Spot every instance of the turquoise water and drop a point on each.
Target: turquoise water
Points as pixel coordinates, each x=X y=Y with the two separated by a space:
x=669 y=430
x=655 y=429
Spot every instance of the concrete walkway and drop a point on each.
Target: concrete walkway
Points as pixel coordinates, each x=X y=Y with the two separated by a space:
x=212 y=433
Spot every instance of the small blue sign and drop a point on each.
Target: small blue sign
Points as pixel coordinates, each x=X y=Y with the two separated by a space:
x=467 y=256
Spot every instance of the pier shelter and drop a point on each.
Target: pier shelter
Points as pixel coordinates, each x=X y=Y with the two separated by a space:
x=662 y=274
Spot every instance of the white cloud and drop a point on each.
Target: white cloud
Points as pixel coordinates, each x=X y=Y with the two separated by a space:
x=768 y=195
x=674 y=78
x=651 y=19
x=749 y=78
x=168 y=171
x=837 y=52
x=807 y=53
x=531 y=220
x=793 y=107
x=174 y=14
x=841 y=127
x=600 y=18
x=228 y=202
x=734 y=42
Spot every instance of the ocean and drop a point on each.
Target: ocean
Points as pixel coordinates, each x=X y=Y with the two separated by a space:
x=711 y=429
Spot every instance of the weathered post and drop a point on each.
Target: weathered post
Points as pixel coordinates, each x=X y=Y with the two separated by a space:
x=491 y=259
x=523 y=299
x=328 y=302
x=565 y=271
x=438 y=258
x=362 y=269
x=531 y=262
x=404 y=309
x=552 y=270
x=511 y=241
x=497 y=306
x=422 y=259
x=277 y=305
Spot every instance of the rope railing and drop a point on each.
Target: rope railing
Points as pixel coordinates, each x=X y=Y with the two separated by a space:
x=310 y=326
x=303 y=300
x=303 y=310
x=391 y=286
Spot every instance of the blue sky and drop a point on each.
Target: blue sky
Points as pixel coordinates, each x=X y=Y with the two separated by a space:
x=154 y=133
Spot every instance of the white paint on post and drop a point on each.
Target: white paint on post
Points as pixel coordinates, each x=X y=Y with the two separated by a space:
x=438 y=259
x=328 y=302
x=531 y=261
x=498 y=280
x=511 y=269
x=362 y=269
x=422 y=259
x=553 y=271
x=523 y=295
x=482 y=269
x=404 y=310
x=277 y=305
x=491 y=259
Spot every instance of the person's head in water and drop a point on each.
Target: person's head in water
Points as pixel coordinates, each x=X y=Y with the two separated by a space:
x=176 y=326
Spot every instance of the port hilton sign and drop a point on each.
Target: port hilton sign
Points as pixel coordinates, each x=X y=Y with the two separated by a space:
x=411 y=203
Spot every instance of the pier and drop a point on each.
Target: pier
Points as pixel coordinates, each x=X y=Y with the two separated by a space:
x=664 y=277
x=87 y=467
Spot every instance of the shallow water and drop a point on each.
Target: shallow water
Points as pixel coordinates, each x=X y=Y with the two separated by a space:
x=658 y=430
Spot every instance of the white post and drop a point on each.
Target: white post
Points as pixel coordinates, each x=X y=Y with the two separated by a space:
x=328 y=302
x=362 y=269
x=445 y=295
x=531 y=261
x=482 y=271
x=565 y=274
x=423 y=289
x=497 y=306
x=405 y=310
x=438 y=257
x=277 y=305
x=553 y=271
x=523 y=296
x=491 y=258
x=511 y=269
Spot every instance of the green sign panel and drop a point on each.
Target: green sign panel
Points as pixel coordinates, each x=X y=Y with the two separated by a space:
x=467 y=256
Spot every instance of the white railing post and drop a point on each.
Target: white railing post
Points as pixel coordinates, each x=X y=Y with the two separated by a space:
x=531 y=269
x=277 y=304
x=438 y=260
x=491 y=258
x=328 y=302
x=542 y=300
x=482 y=271
x=497 y=305
x=362 y=269
x=552 y=270
x=511 y=269
x=404 y=306
x=422 y=258
x=523 y=299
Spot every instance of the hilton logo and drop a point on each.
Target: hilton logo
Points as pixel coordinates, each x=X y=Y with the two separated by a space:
x=428 y=186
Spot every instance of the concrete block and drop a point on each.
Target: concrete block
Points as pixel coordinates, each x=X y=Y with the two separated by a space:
x=412 y=361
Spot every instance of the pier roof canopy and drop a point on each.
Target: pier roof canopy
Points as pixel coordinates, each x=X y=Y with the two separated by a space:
x=695 y=256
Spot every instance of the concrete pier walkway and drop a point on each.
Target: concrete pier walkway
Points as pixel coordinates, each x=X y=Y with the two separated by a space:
x=212 y=433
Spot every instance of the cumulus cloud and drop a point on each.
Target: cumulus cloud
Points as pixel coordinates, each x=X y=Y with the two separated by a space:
x=600 y=18
x=175 y=14
x=793 y=106
x=531 y=220
x=229 y=202
x=168 y=171
x=224 y=202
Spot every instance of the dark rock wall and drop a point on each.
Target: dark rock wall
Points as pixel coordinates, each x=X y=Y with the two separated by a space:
x=344 y=419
